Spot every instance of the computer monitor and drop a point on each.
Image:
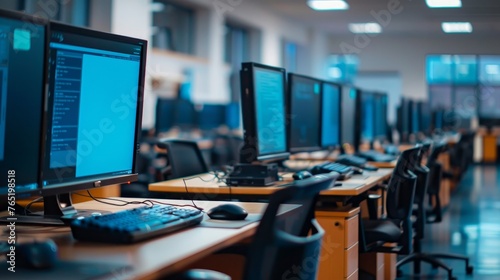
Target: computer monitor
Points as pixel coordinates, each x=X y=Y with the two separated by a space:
x=367 y=114
x=304 y=110
x=414 y=118
x=185 y=115
x=263 y=112
x=165 y=111
x=425 y=117
x=403 y=121
x=438 y=119
x=96 y=83
x=23 y=60
x=349 y=124
x=233 y=115
x=330 y=115
x=211 y=116
x=380 y=117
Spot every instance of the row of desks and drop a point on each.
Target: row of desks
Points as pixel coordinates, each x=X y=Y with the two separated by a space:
x=339 y=256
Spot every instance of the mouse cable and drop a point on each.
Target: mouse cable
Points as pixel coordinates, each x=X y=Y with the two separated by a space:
x=26 y=209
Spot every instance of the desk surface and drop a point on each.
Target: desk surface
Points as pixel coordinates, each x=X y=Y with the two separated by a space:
x=152 y=258
x=208 y=184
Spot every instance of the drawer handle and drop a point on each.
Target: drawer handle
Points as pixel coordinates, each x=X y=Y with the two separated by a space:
x=337 y=224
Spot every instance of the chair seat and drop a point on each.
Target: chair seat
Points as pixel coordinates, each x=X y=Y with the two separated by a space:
x=381 y=230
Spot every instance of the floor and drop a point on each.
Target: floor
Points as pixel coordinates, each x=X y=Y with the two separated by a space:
x=470 y=226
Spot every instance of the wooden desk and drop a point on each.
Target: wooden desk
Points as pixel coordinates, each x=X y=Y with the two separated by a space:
x=153 y=258
x=207 y=184
x=339 y=254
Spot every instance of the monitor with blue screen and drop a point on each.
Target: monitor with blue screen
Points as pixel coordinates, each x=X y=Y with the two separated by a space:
x=330 y=115
x=23 y=60
x=211 y=116
x=264 y=113
x=367 y=116
x=425 y=117
x=304 y=109
x=233 y=115
x=96 y=83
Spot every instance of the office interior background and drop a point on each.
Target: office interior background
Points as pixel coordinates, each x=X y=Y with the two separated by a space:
x=197 y=46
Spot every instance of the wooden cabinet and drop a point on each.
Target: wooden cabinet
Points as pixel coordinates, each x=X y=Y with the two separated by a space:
x=339 y=251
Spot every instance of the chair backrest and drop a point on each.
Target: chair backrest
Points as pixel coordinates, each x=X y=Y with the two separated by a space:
x=184 y=157
x=422 y=173
x=400 y=197
x=401 y=188
x=288 y=246
x=434 y=182
x=437 y=149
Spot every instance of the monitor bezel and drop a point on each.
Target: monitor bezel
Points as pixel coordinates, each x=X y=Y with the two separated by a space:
x=339 y=111
x=250 y=151
x=94 y=182
x=291 y=78
x=355 y=116
x=30 y=19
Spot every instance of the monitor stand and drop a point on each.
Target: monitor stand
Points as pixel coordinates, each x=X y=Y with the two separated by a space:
x=58 y=210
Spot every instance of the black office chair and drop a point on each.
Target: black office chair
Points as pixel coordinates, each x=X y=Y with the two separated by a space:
x=423 y=180
x=184 y=158
x=461 y=155
x=397 y=226
x=283 y=242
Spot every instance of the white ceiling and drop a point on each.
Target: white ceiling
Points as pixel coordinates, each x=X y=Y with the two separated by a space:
x=414 y=19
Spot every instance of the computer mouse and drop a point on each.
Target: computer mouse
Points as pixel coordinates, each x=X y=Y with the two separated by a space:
x=227 y=212
x=301 y=175
x=37 y=254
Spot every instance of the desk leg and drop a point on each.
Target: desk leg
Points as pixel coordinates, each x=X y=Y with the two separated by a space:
x=339 y=253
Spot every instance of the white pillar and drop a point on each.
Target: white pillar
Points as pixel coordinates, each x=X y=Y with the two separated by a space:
x=134 y=18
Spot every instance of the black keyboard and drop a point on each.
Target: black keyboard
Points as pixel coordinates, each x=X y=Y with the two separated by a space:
x=355 y=161
x=137 y=224
x=327 y=167
x=376 y=156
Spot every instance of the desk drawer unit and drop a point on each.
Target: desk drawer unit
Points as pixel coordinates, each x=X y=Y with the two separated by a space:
x=339 y=254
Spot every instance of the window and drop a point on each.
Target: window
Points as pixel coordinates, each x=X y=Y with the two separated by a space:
x=468 y=85
x=173 y=27
x=343 y=68
x=75 y=12
x=237 y=44
x=290 y=56
x=489 y=69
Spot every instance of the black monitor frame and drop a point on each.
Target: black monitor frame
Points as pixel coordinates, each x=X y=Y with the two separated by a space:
x=354 y=116
x=57 y=198
x=28 y=22
x=404 y=119
x=292 y=117
x=250 y=151
x=339 y=110
x=414 y=118
x=425 y=117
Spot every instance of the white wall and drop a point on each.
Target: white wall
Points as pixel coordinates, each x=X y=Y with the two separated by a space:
x=407 y=54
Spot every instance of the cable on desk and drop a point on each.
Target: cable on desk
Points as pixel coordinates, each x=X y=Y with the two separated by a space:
x=187 y=191
x=147 y=202
x=26 y=209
